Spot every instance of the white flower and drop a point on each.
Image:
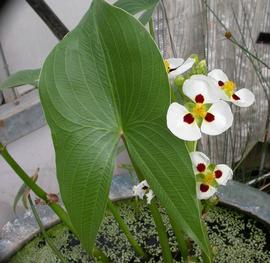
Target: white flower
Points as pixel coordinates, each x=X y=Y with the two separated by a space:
x=205 y=114
x=149 y=196
x=208 y=175
x=177 y=66
x=226 y=87
x=143 y=189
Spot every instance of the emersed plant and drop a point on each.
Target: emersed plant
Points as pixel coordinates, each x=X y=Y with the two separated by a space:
x=105 y=82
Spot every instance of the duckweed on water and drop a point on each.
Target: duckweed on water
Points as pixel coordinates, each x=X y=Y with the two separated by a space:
x=236 y=237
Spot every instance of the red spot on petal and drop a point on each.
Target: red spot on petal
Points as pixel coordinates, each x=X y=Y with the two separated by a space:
x=188 y=118
x=221 y=83
x=199 y=98
x=235 y=97
x=204 y=188
x=218 y=174
x=201 y=167
x=209 y=117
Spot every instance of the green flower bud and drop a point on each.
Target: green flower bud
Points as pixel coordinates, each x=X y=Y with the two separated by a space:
x=196 y=58
x=215 y=250
x=202 y=66
x=179 y=81
x=213 y=200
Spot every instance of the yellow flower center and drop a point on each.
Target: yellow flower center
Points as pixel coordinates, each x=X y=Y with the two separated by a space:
x=229 y=87
x=167 y=65
x=209 y=178
x=199 y=110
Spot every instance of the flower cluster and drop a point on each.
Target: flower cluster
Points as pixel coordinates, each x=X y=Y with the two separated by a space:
x=143 y=189
x=203 y=109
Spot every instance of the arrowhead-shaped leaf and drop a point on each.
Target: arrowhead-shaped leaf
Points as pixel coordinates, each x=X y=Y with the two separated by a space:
x=23 y=77
x=147 y=8
x=105 y=80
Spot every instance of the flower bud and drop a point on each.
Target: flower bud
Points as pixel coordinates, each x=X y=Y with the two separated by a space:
x=228 y=34
x=214 y=200
x=196 y=58
x=53 y=198
x=179 y=81
x=202 y=67
x=215 y=250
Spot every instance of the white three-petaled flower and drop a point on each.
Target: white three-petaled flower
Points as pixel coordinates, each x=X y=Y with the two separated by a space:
x=209 y=176
x=143 y=189
x=177 y=66
x=241 y=98
x=206 y=114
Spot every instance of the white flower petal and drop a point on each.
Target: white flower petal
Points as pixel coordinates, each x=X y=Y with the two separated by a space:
x=143 y=184
x=187 y=65
x=175 y=62
x=227 y=174
x=218 y=75
x=223 y=95
x=198 y=158
x=198 y=84
x=223 y=119
x=138 y=189
x=176 y=124
x=138 y=192
x=172 y=75
x=247 y=98
x=149 y=196
x=216 y=91
x=205 y=195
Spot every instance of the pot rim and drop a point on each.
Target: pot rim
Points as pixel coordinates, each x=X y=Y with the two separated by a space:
x=15 y=234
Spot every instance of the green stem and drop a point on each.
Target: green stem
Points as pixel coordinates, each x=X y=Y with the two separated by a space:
x=151 y=28
x=248 y=52
x=125 y=229
x=162 y=233
x=191 y=146
x=59 y=211
x=42 y=229
x=34 y=187
x=99 y=255
x=232 y=39
x=166 y=251
x=181 y=239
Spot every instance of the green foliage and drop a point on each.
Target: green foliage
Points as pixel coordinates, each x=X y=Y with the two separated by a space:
x=104 y=81
x=236 y=237
x=23 y=77
x=147 y=8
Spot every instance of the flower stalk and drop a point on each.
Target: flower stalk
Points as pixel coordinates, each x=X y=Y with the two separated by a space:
x=116 y=214
x=42 y=229
x=151 y=28
x=59 y=211
x=182 y=241
x=162 y=233
x=232 y=39
x=164 y=242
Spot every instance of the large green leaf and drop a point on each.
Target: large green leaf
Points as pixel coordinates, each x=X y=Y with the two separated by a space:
x=104 y=81
x=23 y=77
x=147 y=8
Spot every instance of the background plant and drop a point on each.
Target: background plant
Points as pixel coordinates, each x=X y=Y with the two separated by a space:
x=93 y=95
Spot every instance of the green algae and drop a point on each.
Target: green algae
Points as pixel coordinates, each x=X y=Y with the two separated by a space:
x=235 y=238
